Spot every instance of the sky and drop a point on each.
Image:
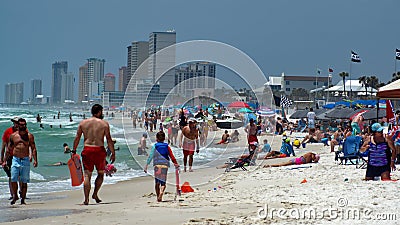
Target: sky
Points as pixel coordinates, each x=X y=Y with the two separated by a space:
x=294 y=37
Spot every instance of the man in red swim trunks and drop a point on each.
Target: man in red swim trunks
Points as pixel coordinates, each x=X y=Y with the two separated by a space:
x=189 y=142
x=94 y=154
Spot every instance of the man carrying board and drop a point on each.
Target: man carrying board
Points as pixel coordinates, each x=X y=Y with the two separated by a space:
x=94 y=154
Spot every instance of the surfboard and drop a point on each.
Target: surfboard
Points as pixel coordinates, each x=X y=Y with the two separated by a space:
x=178 y=189
x=75 y=170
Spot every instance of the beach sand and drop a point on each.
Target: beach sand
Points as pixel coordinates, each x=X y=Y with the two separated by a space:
x=257 y=196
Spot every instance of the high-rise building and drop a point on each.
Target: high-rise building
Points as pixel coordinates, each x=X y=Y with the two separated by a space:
x=122 y=78
x=96 y=69
x=58 y=69
x=14 y=93
x=36 y=89
x=83 y=90
x=95 y=77
x=161 y=64
x=109 y=82
x=192 y=78
x=67 y=87
x=138 y=52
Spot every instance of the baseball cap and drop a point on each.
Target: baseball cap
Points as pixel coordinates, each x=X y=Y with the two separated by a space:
x=15 y=119
x=376 y=127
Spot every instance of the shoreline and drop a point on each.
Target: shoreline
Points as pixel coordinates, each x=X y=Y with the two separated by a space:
x=236 y=197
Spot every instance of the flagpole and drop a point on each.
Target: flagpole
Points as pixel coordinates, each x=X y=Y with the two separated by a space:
x=316 y=86
x=329 y=77
x=350 y=82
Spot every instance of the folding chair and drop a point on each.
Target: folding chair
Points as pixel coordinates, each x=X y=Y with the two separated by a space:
x=350 y=150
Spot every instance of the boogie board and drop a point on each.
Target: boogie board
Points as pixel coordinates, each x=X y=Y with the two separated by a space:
x=75 y=169
x=178 y=189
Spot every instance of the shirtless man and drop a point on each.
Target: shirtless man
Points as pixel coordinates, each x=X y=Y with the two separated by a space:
x=251 y=130
x=189 y=142
x=8 y=161
x=20 y=143
x=94 y=154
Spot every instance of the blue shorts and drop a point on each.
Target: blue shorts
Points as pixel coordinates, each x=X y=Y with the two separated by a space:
x=20 y=169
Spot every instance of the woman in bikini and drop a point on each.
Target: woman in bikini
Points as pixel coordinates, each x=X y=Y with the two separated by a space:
x=306 y=158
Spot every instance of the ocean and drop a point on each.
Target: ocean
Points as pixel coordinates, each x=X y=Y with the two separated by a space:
x=49 y=143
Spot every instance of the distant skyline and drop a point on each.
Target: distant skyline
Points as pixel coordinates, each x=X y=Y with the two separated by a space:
x=294 y=37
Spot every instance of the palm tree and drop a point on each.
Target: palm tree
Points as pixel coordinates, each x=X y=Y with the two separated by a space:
x=343 y=75
x=363 y=80
x=373 y=82
x=395 y=76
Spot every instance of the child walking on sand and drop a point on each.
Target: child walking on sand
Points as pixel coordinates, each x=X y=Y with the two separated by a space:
x=160 y=153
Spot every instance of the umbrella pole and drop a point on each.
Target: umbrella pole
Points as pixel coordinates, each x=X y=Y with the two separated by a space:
x=377 y=110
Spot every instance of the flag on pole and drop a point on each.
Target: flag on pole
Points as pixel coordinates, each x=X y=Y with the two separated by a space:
x=389 y=112
x=318 y=71
x=355 y=57
x=397 y=54
x=285 y=102
x=330 y=70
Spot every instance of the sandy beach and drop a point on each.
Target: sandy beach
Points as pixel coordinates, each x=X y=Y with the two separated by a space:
x=317 y=193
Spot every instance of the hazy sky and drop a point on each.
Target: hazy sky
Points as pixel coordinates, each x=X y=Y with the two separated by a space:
x=288 y=36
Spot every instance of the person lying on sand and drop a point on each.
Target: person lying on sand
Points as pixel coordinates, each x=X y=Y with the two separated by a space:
x=306 y=158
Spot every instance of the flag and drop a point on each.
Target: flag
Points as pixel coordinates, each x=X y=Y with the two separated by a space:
x=330 y=70
x=389 y=112
x=355 y=57
x=397 y=54
x=277 y=101
x=318 y=71
x=285 y=102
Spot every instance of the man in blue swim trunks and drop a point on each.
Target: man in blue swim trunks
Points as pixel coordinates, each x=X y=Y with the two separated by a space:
x=20 y=142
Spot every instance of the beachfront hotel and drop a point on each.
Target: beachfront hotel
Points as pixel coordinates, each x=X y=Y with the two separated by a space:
x=122 y=78
x=157 y=65
x=58 y=69
x=14 y=93
x=36 y=90
x=138 y=52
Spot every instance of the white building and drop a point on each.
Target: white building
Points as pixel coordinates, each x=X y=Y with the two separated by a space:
x=353 y=86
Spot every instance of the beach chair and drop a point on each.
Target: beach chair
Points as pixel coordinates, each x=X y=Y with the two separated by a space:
x=234 y=163
x=364 y=159
x=350 y=151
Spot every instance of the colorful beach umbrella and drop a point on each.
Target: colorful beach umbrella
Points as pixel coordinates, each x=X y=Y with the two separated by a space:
x=238 y=104
x=245 y=110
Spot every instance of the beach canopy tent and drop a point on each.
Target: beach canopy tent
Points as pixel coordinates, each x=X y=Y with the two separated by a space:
x=390 y=91
x=238 y=104
x=371 y=114
x=302 y=113
x=322 y=116
x=341 y=113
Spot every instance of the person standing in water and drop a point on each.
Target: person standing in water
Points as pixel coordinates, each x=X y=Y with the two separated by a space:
x=189 y=143
x=21 y=142
x=94 y=130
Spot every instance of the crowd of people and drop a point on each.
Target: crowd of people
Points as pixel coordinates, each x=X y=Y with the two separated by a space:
x=19 y=149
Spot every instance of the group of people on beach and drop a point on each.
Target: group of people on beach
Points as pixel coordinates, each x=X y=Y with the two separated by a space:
x=19 y=149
